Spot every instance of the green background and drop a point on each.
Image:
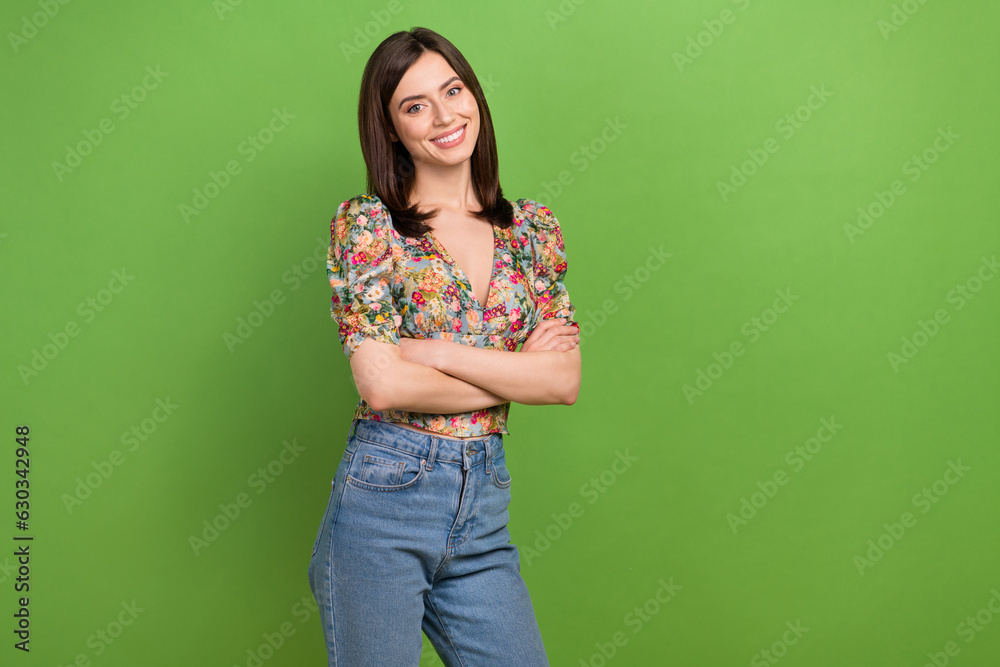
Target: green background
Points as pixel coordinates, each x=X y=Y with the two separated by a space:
x=556 y=75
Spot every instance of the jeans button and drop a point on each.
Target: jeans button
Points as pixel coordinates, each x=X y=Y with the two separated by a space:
x=471 y=450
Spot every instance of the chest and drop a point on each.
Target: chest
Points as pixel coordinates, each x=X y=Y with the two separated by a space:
x=468 y=244
x=465 y=276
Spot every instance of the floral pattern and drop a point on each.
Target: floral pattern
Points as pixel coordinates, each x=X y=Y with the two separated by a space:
x=386 y=285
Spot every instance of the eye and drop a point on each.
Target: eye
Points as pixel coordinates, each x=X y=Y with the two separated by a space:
x=458 y=88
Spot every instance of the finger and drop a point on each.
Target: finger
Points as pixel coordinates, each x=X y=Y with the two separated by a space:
x=563 y=323
x=552 y=342
x=545 y=336
x=556 y=324
x=553 y=335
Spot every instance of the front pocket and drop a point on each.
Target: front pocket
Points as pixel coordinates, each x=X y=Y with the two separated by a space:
x=381 y=469
x=499 y=472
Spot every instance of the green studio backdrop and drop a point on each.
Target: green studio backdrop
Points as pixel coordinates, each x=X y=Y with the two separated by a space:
x=781 y=225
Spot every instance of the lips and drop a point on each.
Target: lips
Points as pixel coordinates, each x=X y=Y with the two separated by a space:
x=456 y=132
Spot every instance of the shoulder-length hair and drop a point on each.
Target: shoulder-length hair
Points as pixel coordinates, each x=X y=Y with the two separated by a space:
x=391 y=174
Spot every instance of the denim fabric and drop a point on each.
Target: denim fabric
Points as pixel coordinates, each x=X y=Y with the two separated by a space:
x=415 y=537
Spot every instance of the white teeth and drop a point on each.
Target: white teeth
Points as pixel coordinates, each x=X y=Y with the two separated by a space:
x=450 y=137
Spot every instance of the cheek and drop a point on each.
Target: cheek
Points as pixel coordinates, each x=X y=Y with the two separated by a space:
x=410 y=131
x=475 y=121
x=469 y=108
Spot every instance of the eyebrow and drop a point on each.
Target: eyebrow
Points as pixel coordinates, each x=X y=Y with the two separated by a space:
x=417 y=97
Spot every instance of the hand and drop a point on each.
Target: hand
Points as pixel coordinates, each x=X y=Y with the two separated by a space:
x=552 y=334
x=420 y=350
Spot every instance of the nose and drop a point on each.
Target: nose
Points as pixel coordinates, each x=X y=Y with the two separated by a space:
x=444 y=116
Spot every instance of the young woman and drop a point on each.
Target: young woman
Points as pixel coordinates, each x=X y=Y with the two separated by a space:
x=437 y=279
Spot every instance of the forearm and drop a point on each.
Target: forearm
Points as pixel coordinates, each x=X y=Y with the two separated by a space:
x=543 y=377
x=419 y=388
x=390 y=383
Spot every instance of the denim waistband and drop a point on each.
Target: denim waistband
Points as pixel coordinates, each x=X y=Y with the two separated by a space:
x=468 y=452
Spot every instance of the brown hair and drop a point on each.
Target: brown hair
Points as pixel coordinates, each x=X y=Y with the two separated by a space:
x=391 y=174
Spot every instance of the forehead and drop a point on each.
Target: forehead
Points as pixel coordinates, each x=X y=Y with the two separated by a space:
x=424 y=77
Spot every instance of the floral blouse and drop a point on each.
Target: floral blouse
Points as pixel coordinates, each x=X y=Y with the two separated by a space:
x=386 y=285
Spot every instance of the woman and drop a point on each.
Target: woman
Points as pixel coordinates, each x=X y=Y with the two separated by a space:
x=430 y=316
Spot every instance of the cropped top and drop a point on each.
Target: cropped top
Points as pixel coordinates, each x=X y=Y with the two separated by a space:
x=386 y=285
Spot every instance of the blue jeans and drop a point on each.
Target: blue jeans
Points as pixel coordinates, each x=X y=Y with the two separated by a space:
x=415 y=537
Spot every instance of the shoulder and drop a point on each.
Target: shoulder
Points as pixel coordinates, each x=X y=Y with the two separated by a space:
x=363 y=205
x=536 y=222
x=360 y=215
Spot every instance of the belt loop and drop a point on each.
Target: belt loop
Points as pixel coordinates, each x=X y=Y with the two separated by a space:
x=354 y=427
x=432 y=454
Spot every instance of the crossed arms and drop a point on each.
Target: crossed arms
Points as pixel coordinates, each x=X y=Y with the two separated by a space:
x=442 y=377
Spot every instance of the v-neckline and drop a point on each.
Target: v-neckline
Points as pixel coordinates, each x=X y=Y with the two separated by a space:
x=446 y=256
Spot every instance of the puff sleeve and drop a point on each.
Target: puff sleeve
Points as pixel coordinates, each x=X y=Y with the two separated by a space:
x=360 y=268
x=548 y=257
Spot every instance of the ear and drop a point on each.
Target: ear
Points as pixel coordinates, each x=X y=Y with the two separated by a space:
x=392 y=135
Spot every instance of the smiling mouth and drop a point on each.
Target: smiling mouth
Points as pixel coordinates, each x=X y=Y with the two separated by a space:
x=454 y=136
